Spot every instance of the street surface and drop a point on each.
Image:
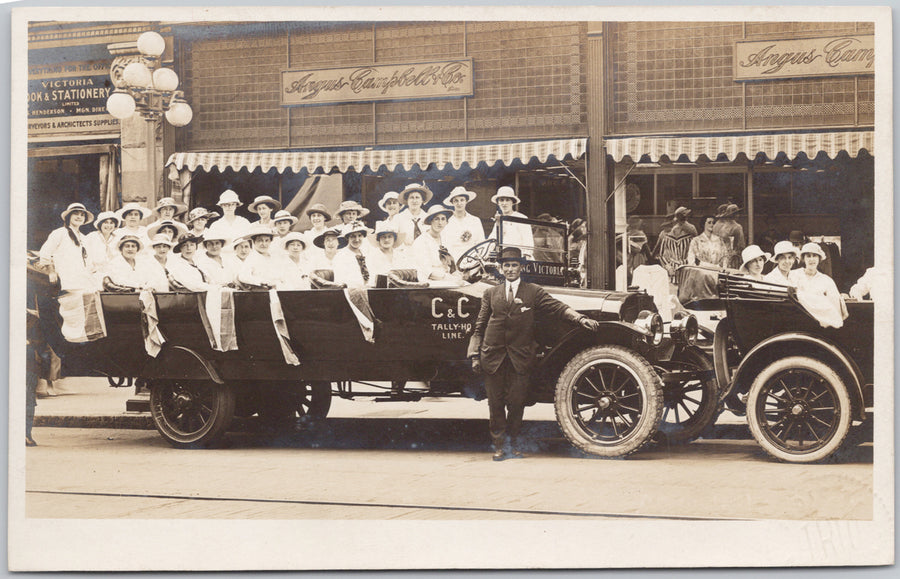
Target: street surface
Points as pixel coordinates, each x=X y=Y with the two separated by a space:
x=387 y=462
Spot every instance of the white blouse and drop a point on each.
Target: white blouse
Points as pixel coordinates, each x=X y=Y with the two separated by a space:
x=69 y=260
x=461 y=234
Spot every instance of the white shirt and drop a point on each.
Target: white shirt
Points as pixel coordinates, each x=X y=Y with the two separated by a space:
x=259 y=269
x=405 y=222
x=100 y=251
x=141 y=233
x=347 y=270
x=142 y=275
x=187 y=274
x=516 y=234
x=295 y=275
x=775 y=276
x=220 y=274
x=229 y=231
x=427 y=258
x=68 y=260
x=380 y=263
x=514 y=285
x=461 y=234
x=821 y=298
x=321 y=261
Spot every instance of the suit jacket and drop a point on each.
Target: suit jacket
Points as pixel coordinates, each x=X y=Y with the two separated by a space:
x=504 y=329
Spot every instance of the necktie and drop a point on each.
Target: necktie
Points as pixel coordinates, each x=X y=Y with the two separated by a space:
x=202 y=275
x=511 y=297
x=361 y=259
x=416 y=231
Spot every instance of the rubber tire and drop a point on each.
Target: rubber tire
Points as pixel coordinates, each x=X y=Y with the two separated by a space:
x=706 y=413
x=281 y=409
x=222 y=412
x=319 y=403
x=756 y=406
x=648 y=383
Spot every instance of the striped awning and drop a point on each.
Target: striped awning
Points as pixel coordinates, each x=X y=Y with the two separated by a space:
x=751 y=145
x=374 y=159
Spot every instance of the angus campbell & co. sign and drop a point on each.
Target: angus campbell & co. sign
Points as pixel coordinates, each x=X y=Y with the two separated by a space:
x=805 y=57
x=380 y=82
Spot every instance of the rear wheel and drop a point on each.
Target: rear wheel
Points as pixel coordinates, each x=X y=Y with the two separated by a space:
x=690 y=405
x=283 y=405
x=798 y=409
x=608 y=401
x=191 y=414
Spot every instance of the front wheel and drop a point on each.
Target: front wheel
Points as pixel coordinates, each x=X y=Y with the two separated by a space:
x=608 y=401
x=798 y=409
x=690 y=396
x=191 y=414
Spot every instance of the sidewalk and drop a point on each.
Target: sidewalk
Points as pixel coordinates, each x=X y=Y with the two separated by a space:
x=92 y=403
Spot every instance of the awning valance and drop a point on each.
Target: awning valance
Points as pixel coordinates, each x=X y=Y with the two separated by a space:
x=375 y=158
x=769 y=144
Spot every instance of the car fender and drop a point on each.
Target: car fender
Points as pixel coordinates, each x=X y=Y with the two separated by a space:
x=800 y=343
x=577 y=339
x=181 y=362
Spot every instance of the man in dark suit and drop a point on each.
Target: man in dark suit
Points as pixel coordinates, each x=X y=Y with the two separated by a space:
x=504 y=348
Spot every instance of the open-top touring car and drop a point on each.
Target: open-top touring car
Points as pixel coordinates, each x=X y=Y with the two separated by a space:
x=613 y=389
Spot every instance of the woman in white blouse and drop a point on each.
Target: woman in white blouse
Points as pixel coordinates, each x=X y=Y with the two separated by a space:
x=229 y=225
x=64 y=256
x=183 y=266
x=101 y=245
x=785 y=255
x=384 y=258
x=432 y=260
x=129 y=271
x=463 y=230
x=816 y=291
x=264 y=206
x=514 y=234
x=130 y=215
x=261 y=269
x=295 y=276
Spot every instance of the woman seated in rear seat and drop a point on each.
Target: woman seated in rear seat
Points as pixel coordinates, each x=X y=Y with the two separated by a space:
x=296 y=276
x=129 y=271
x=261 y=269
x=385 y=257
x=183 y=268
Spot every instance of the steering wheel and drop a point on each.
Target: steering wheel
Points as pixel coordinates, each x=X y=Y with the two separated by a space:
x=478 y=260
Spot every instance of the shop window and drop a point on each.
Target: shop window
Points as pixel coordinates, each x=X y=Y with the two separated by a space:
x=772 y=193
x=717 y=188
x=672 y=191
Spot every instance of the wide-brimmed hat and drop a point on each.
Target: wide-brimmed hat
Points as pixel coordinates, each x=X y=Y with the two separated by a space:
x=752 y=252
x=129 y=237
x=384 y=228
x=351 y=206
x=813 y=248
x=681 y=212
x=199 y=213
x=131 y=206
x=104 y=215
x=213 y=236
x=784 y=247
x=257 y=229
x=319 y=241
x=293 y=236
x=459 y=192
x=229 y=196
x=161 y=239
x=426 y=193
x=726 y=210
x=505 y=191
x=88 y=217
x=434 y=211
x=275 y=203
x=318 y=208
x=284 y=216
x=387 y=197
x=354 y=227
x=154 y=228
x=796 y=236
x=170 y=202
x=239 y=240
x=184 y=238
x=511 y=254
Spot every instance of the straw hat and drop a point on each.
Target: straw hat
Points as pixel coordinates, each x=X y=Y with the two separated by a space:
x=257 y=229
x=170 y=202
x=185 y=238
x=750 y=253
x=354 y=227
x=275 y=203
x=459 y=192
x=161 y=239
x=213 y=236
x=385 y=228
x=318 y=208
x=284 y=216
x=239 y=240
x=199 y=213
x=681 y=212
x=229 y=196
x=434 y=211
x=131 y=206
x=293 y=236
x=727 y=210
x=351 y=206
x=129 y=237
x=319 y=241
x=813 y=248
x=180 y=228
x=104 y=215
x=505 y=191
x=387 y=197
x=426 y=193
x=784 y=247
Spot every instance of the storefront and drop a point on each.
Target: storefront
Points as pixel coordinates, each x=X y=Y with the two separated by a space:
x=775 y=117
x=321 y=112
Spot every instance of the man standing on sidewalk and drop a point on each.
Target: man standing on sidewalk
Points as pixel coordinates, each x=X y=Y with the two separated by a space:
x=503 y=346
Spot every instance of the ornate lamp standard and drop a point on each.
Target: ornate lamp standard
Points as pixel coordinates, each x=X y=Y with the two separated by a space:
x=144 y=90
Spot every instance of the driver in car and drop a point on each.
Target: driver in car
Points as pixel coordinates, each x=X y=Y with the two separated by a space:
x=503 y=346
x=518 y=234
